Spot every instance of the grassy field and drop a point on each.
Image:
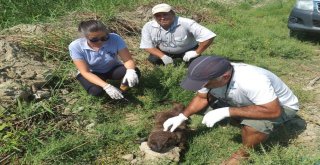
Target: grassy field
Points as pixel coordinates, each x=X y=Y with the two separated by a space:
x=100 y=130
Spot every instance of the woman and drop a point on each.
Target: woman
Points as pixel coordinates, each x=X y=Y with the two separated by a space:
x=95 y=55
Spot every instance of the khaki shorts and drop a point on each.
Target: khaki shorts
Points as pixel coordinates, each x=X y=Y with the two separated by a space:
x=267 y=126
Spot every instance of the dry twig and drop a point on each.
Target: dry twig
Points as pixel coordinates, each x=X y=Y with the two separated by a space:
x=7 y=157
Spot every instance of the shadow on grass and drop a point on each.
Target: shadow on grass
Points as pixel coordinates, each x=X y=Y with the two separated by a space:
x=287 y=131
x=307 y=37
x=281 y=135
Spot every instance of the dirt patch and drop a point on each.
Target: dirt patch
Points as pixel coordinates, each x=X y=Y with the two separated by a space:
x=132 y=118
x=21 y=76
x=309 y=75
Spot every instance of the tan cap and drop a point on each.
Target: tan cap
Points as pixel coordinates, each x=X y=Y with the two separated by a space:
x=163 y=7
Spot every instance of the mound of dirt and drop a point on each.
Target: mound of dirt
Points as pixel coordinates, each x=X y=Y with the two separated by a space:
x=21 y=76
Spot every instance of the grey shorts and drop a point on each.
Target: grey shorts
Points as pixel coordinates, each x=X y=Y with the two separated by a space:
x=267 y=126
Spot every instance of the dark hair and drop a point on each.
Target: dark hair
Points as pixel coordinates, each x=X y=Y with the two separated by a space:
x=86 y=27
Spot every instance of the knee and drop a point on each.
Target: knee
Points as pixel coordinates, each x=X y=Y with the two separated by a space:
x=95 y=91
x=252 y=137
x=249 y=130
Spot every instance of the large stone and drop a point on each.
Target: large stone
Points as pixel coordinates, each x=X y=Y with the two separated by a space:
x=149 y=155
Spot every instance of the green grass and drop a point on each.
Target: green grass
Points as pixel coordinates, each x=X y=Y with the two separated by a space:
x=55 y=131
x=14 y=12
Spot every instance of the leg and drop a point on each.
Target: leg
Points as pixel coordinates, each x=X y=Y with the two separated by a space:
x=117 y=73
x=255 y=132
x=91 y=88
x=251 y=138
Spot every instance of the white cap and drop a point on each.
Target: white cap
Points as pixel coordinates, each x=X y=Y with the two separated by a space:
x=163 y=7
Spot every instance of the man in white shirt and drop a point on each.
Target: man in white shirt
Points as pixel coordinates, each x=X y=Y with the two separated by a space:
x=255 y=96
x=169 y=36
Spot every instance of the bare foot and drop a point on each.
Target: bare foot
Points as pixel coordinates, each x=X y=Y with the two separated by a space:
x=236 y=158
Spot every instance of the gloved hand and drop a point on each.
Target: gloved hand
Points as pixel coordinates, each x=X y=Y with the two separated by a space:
x=166 y=59
x=113 y=92
x=174 y=122
x=131 y=76
x=215 y=116
x=189 y=54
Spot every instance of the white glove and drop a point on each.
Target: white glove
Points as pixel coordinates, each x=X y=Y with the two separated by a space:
x=166 y=59
x=189 y=54
x=174 y=122
x=131 y=76
x=113 y=92
x=215 y=116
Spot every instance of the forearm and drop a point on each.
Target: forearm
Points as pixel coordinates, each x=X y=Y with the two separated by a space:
x=204 y=45
x=197 y=104
x=127 y=59
x=130 y=64
x=255 y=112
x=155 y=51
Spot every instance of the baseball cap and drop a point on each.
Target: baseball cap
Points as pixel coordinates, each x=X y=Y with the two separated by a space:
x=203 y=69
x=163 y=7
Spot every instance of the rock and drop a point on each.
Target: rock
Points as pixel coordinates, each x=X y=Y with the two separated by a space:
x=66 y=111
x=12 y=73
x=6 y=51
x=36 y=85
x=9 y=90
x=128 y=157
x=2 y=79
x=24 y=95
x=80 y=108
x=29 y=74
x=42 y=94
x=70 y=100
x=173 y=154
x=64 y=91
x=134 y=161
x=90 y=126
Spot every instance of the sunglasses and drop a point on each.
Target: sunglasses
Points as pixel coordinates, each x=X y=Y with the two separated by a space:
x=96 y=39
